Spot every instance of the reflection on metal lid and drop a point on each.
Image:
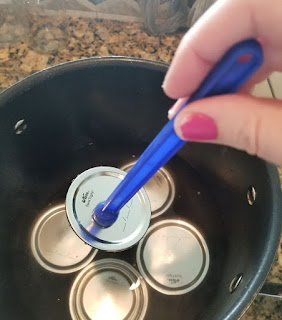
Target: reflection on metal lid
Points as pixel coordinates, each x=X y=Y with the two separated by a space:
x=55 y=245
x=108 y=289
x=90 y=188
x=173 y=257
x=160 y=190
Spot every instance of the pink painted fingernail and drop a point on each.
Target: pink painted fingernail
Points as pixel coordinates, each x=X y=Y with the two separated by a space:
x=198 y=126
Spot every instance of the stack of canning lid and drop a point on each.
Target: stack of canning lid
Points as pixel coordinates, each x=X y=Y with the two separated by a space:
x=126 y=271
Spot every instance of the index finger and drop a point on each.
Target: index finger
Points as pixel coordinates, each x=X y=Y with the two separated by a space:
x=224 y=24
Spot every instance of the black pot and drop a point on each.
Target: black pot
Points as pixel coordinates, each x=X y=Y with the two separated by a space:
x=97 y=112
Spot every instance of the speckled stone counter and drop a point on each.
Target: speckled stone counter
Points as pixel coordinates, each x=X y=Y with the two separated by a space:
x=81 y=38
x=85 y=38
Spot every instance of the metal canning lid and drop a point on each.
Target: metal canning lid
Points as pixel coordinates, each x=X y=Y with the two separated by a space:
x=56 y=247
x=173 y=257
x=108 y=289
x=90 y=188
x=160 y=190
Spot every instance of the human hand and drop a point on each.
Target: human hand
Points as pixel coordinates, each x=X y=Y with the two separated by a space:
x=237 y=120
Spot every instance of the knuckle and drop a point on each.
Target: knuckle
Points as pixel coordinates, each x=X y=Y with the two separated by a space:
x=249 y=135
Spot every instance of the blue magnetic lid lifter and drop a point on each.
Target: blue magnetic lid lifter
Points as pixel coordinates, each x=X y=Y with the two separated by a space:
x=228 y=75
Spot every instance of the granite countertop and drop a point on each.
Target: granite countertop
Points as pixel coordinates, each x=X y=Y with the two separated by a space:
x=86 y=38
x=79 y=38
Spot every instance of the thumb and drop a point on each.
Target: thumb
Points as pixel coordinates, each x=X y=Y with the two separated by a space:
x=240 y=121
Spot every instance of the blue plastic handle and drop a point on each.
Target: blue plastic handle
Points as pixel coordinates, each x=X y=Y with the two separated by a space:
x=228 y=75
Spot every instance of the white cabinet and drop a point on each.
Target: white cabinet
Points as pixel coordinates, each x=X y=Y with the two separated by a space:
x=276 y=84
x=262 y=90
